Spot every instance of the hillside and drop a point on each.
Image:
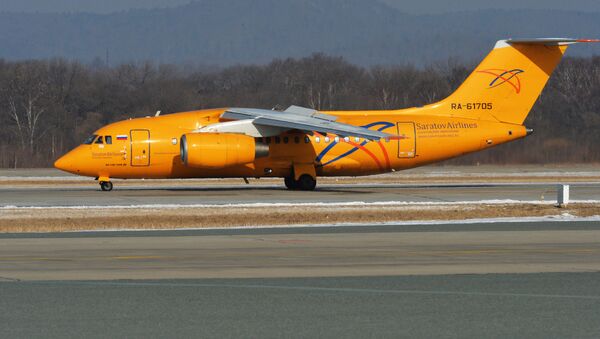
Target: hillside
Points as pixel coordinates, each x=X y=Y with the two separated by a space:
x=209 y=32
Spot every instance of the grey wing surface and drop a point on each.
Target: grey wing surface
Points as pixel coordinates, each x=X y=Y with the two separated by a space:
x=302 y=119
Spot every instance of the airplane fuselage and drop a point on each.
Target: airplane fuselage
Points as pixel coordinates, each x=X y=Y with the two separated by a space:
x=150 y=147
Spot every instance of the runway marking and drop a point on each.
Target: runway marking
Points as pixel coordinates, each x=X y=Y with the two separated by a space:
x=293 y=241
x=136 y=257
x=326 y=289
x=302 y=204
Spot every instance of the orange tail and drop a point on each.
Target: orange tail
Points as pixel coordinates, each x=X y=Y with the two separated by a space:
x=508 y=81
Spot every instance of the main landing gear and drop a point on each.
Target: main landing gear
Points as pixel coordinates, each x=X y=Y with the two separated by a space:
x=106 y=186
x=304 y=183
x=303 y=177
x=105 y=183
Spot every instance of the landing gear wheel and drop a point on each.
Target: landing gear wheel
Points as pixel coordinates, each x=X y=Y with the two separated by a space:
x=106 y=186
x=290 y=183
x=306 y=183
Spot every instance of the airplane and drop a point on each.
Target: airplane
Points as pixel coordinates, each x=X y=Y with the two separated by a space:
x=300 y=144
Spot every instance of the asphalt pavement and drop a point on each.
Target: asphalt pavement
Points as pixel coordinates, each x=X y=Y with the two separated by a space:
x=252 y=194
x=546 y=305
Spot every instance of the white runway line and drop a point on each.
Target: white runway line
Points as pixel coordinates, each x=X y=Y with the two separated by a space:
x=306 y=204
x=74 y=178
x=91 y=180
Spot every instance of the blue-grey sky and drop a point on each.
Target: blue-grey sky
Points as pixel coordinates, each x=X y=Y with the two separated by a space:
x=416 y=7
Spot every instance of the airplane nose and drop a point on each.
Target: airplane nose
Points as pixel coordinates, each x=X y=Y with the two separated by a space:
x=65 y=163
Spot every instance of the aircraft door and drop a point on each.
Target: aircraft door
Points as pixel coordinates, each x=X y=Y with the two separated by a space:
x=140 y=147
x=407 y=143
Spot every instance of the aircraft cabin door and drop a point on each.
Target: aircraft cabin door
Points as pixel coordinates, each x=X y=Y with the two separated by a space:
x=140 y=147
x=407 y=143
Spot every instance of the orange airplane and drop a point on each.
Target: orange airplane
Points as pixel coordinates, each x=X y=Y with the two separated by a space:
x=300 y=144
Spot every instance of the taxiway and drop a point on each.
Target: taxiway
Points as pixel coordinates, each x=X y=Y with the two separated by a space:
x=247 y=194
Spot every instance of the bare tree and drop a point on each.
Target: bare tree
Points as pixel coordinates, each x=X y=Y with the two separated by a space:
x=49 y=106
x=26 y=98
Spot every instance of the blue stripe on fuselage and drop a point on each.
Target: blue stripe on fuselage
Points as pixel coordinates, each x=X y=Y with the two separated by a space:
x=330 y=146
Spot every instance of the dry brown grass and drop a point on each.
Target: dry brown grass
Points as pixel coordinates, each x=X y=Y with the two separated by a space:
x=62 y=220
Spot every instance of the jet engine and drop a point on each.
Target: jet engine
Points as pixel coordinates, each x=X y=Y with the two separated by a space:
x=217 y=150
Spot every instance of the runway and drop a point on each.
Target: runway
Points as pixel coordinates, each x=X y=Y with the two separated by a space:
x=303 y=252
x=455 y=280
x=382 y=281
x=247 y=194
x=48 y=187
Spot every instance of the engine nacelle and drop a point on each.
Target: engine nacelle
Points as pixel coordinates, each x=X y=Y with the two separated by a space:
x=218 y=150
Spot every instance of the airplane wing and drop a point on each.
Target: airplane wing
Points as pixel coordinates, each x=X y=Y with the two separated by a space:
x=299 y=118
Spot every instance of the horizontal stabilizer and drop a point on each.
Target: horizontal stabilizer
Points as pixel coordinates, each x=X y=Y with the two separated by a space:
x=544 y=41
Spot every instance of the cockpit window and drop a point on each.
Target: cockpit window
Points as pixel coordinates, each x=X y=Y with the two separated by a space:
x=90 y=139
x=99 y=140
x=108 y=139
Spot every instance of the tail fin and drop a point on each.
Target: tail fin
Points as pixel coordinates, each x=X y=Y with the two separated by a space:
x=509 y=80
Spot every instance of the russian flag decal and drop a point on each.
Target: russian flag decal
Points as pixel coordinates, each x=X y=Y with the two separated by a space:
x=121 y=137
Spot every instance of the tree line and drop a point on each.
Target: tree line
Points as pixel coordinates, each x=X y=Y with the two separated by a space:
x=49 y=106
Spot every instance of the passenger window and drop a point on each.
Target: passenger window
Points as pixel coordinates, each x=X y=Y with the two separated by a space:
x=277 y=140
x=346 y=139
x=306 y=139
x=296 y=139
x=286 y=140
x=356 y=139
x=108 y=140
x=99 y=140
x=326 y=139
x=337 y=139
x=90 y=139
x=317 y=139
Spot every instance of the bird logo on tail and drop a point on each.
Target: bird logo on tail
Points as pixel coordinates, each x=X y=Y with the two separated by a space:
x=502 y=76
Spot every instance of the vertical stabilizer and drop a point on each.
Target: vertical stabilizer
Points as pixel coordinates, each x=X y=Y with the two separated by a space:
x=508 y=81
